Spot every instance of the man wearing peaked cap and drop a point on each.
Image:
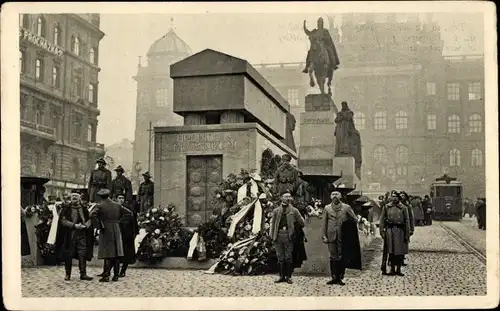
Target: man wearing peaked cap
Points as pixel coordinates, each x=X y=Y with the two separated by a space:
x=99 y=178
x=107 y=216
x=146 y=193
x=121 y=185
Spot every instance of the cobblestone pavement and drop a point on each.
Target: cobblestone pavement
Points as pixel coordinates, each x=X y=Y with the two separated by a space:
x=452 y=271
x=467 y=229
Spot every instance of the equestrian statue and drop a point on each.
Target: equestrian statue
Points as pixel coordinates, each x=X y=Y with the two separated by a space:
x=322 y=58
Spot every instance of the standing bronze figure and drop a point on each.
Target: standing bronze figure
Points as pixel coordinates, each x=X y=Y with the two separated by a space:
x=322 y=58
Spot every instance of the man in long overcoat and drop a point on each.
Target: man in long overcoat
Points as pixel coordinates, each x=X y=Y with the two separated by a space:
x=77 y=236
x=404 y=199
x=395 y=230
x=481 y=213
x=285 y=219
x=107 y=216
x=146 y=193
x=100 y=178
x=428 y=209
x=418 y=212
x=129 y=229
x=121 y=185
x=340 y=233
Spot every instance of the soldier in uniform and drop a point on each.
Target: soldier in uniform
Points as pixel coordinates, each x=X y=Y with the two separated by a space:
x=121 y=185
x=286 y=177
x=107 y=216
x=146 y=193
x=404 y=199
x=335 y=215
x=285 y=220
x=129 y=230
x=100 y=178
x=395 y=230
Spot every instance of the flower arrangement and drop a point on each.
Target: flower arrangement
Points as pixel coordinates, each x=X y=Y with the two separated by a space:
x=315 y=209
x=32 y=210
x=165 y=234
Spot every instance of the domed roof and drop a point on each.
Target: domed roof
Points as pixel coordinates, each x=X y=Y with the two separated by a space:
x=169 y=44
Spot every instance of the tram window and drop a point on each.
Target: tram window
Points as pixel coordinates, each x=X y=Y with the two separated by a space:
x=447 y=191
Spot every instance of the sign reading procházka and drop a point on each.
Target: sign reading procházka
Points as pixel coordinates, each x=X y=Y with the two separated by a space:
x=40 y=42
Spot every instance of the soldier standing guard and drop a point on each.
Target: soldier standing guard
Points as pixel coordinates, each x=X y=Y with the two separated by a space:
x=121 y=185
x=146 y=193
x=285 y=220
x=286 y=177
x=395 y=230
x=99 y=178
x=107 y=216
x=335 y=215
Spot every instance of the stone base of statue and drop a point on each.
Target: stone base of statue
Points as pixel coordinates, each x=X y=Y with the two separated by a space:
x=320 y=102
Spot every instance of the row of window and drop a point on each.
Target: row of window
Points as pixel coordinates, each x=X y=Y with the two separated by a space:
x=160 y=97
x=77 y=172
x=402 y=155
x=380 y=122
x=453 y=90
x=76 y=42
x=55 y=81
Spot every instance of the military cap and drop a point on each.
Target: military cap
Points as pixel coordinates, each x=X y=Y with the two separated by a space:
x=286 y=157
x=101 y=160
x=146 y=175
x=103 y=192
x=119 y=169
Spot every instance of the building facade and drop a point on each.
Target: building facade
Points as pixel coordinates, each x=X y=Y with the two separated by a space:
x=155 y=98
x=419 y=113
x=59 y=104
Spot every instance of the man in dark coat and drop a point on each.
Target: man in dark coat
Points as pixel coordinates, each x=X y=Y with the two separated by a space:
x=121 y=185
x=146 y=193
x=107 y=216
x=481 y=213
x=77 y=235
x=428 y=209
x=404 y=199
x=299 y=254
x=100 y=178
x=395 y=230
x=129 y=229
x=340 y=233
x=418 y=212
x=285 y=219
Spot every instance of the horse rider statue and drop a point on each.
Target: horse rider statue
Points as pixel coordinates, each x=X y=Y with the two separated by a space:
x=322 y=57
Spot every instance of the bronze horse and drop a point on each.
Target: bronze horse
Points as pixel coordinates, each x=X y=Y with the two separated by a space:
x=320 y=65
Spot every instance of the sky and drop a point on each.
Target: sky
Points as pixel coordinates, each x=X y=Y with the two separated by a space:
x=258 y=38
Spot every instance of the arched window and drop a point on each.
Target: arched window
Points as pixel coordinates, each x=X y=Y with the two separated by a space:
x=57 y=35
x=91 y=93
x=454 y=157
x=161 y=97
x=89 y=132
x=76 y=168
x=475 y=124
x=40 y=27
x=380 y=120
x=380 y=154
x=75 y=45
x=402 y=153
x=92 y=56
x=477 y=157
x=360 y=120
x=454 y=124
x=401 y=120
x=39 y=69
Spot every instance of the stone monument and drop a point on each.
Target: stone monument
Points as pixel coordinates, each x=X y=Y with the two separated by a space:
x=231 y=115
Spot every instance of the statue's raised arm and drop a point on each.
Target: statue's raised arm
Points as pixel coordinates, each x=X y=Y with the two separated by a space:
x=306 y=30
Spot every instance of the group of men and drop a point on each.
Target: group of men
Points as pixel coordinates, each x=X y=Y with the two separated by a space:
x=339 y=232
x=476 y=208
x=117 y=227
x=101 y=178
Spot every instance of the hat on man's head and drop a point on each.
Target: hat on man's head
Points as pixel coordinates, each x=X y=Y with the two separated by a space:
x=119 y=169
x=103 y=192
x=286 y=157
x=286 y=191
x=101 y=160
x=147 y=175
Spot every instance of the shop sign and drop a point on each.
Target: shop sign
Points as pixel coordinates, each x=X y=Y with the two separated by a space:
x=40 y=42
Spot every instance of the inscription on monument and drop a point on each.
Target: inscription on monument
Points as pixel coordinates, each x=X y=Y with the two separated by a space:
x=203 y=142
x=317 y=121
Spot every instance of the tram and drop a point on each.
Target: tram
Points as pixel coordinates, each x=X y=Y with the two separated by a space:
x=446 y=195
